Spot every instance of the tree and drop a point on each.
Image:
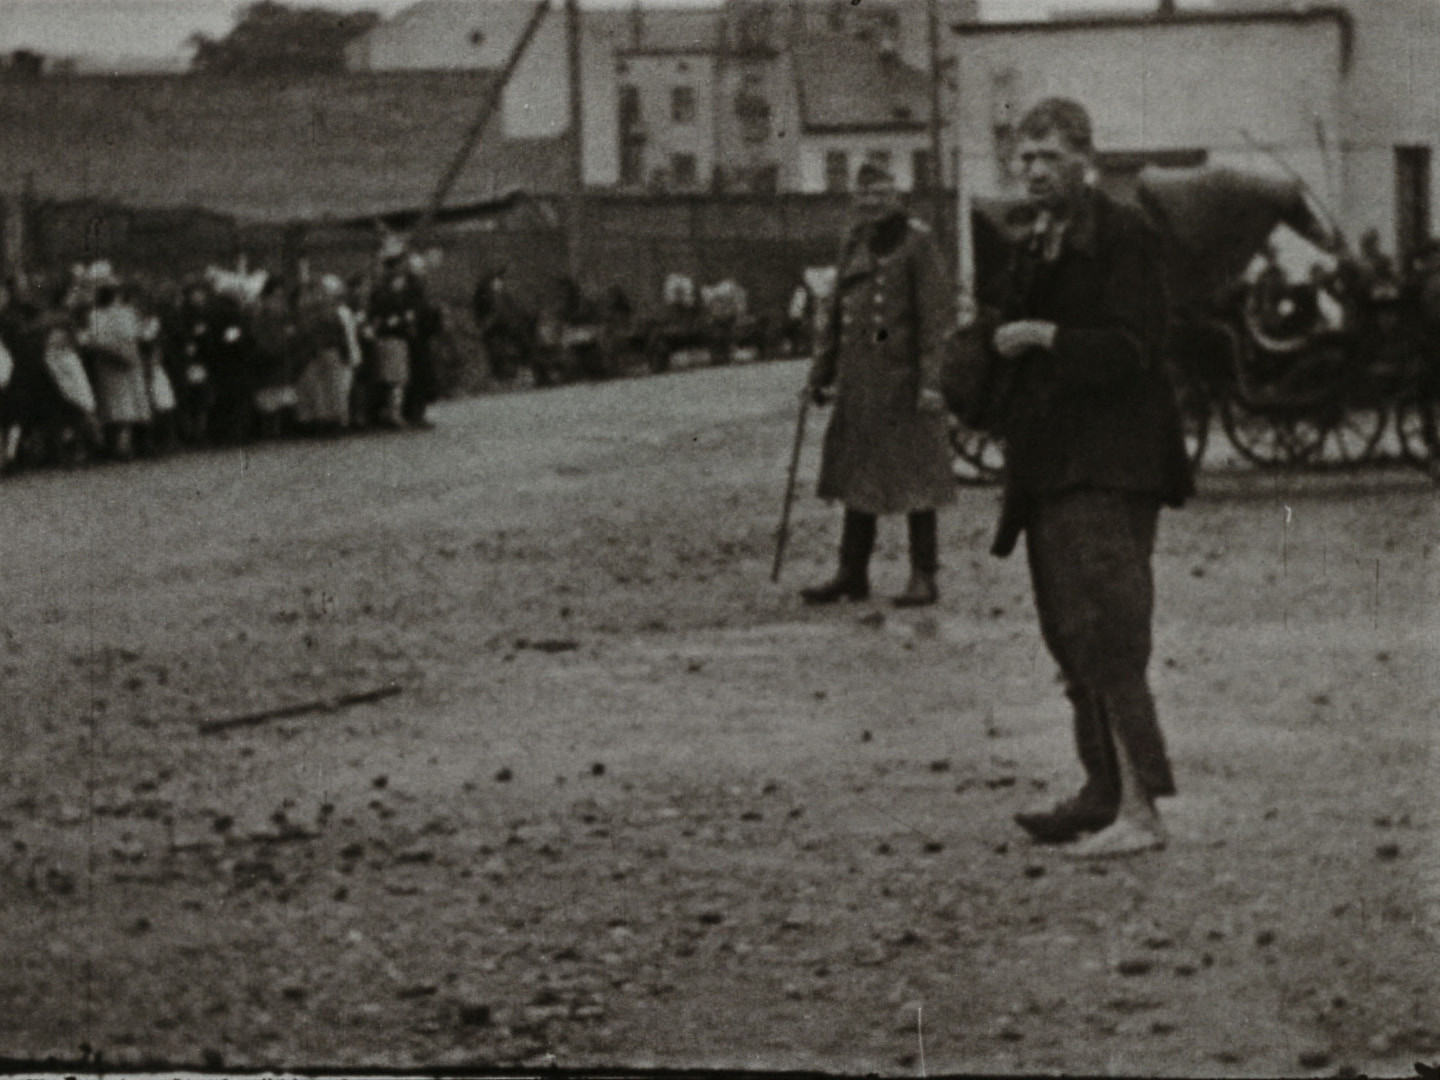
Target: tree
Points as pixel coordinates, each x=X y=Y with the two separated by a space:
x=270 y=38
x=25 y=62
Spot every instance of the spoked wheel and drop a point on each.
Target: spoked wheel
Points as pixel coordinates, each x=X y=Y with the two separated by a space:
x=1271 y=440
x=1195 y=423
x=1354 y=436
x=1417 y=423
x=979 y=457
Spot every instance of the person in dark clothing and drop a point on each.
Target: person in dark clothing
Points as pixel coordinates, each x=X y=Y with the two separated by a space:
x=188 y=344
x=11 y=417
x=49 y=398
x=404 y=322
x=231 y=351
x=887 y=448
x=1094 y=449
x=506 y=331
x=424 y=322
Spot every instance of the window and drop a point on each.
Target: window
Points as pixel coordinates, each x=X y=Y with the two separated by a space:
x=632 y=161
x=682 y=104
x=880 y=158
x=753 y=112
x=765 y=179
x=682 y=170
x=755 y=128
x=837 y=170
x=477 y=38
x=629 y=105
x=632 y=138
x=922 y=168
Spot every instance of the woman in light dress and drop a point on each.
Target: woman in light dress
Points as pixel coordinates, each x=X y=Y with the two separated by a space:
x=331 y=345
x=112 y=337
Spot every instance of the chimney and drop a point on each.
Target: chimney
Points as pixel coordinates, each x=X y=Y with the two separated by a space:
x=1166 y=10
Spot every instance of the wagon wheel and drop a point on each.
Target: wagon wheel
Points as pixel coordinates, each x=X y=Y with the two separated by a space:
x=979 y=457
x=1195 y=423
x=1270 y=440
x=1417 y=422
x=1353 y=437
x=657 y=355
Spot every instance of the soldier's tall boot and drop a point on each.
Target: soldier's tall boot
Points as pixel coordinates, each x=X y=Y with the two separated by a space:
x=924 y=561
x=390 y=413
x=852 y=580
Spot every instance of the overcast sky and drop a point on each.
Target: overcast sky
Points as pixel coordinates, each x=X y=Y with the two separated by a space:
x=129 y=30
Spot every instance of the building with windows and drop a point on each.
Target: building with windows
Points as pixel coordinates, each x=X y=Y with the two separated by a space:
x=857 y=103
x=696 y=98
x=667 y=115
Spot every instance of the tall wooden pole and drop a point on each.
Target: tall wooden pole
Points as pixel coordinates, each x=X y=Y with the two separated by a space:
x=577 y=138
x=936 y=179
x=966 y=309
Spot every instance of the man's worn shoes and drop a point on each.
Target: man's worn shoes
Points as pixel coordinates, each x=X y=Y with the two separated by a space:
x=921 y=592
x=1126 y=837
x=1067 y=821
x=839 y=588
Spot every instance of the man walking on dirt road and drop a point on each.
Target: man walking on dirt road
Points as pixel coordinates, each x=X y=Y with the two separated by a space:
x=887 y=449
x=1094 y=448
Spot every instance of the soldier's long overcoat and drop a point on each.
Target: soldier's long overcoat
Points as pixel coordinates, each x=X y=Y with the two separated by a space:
x=882 y=345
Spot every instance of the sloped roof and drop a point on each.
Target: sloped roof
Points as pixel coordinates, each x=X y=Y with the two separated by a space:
x=846 y=84
x=264 y=149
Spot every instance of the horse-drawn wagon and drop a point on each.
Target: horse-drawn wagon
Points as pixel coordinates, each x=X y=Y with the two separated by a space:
x=1304 y=350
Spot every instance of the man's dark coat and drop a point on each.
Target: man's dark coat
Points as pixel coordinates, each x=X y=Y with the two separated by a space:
x=1098 y=411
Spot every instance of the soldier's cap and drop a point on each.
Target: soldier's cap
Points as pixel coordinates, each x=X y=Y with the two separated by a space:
x=872 y=173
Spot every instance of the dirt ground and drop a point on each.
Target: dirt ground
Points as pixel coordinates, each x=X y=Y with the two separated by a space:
x=636 y=806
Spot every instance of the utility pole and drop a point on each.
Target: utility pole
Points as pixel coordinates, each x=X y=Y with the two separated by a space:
x=936 y=179
x=577 y=138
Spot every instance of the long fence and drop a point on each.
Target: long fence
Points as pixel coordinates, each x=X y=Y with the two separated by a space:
x=765 y=242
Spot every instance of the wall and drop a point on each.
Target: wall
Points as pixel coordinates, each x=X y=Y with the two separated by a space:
x=603 y=33
x=1155 y=86
x=1392 y=99
x=763 y=242
x=901 y=145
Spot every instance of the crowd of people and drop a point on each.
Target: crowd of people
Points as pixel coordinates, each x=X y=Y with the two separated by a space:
x=96 y=367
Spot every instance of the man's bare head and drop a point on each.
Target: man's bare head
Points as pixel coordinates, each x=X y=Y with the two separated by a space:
x=1056 y=144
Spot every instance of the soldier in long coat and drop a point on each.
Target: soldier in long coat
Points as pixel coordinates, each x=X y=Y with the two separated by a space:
x=887 y=448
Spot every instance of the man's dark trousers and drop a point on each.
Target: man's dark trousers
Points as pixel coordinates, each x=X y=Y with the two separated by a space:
x=1090 y=564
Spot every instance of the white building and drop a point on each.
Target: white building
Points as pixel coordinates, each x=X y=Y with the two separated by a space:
x=1345 y=97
